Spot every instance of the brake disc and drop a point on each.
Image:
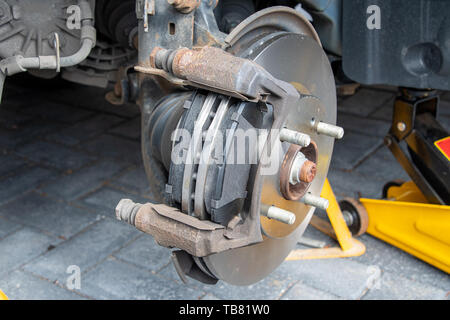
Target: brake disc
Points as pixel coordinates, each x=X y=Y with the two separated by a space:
x=298 y=59
x=286 y=45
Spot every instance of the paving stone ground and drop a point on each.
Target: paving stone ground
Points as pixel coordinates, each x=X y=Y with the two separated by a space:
x=67 y=157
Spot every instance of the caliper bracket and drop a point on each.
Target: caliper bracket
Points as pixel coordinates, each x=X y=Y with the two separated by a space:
x=218 y=71
x=172 y=228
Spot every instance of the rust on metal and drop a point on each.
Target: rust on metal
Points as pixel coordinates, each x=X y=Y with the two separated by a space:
x=216 y=70
x=153 y=55
x=307 y=172
x=185 y=6
x=209 y=65
x=173 y=229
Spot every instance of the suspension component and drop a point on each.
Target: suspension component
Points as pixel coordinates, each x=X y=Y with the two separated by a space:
x=185 y=6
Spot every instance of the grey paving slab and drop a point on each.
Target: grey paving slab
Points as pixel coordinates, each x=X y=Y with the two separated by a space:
x=11 y=91
x=8 y=227
x=169 y=273
x=21 y=247
x=51 y=216
x=28 y=179
x=10 y=164
x=351 y=184
x=341 y=277
x=11 y=119
x=59 y=112
x=395 y=261
x=353 y=149
x=445 y=122
x=85 y=130
x=118 y=148
x=105 y=200
x=446 y=96
x=365 y=101
x=385 y=112
x=130 y=129
x=126 y=111
x=144 y=252
x=84 y=250
x=93 y=98
x=135 y=180
x=11 y=138
x=395 y=287
x=83 y=181
x=114 y=279
x=300 y=291
x=382 y=165
x=54 y=155
x=444 y=108
x=367 y=126
x=20 y=285
x=313 y=233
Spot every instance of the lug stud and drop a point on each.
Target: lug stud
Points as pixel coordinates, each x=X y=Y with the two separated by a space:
x=278 y=214
x=315 y=201
x=295 y=137
x=330 y=130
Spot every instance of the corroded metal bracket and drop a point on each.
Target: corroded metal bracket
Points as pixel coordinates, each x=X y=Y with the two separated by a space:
x=173 y=229
x=216 y=70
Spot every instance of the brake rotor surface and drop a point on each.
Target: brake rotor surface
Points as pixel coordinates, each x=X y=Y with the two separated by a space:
x=298 y=59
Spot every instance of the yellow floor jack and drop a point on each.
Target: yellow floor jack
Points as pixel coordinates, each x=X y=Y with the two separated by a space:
x=403 y=219
x=413 y=216
x=3 y=296
x=406 y=220
x=341 y=227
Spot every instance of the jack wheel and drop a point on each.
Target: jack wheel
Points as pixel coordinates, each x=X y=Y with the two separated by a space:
x=355 y=215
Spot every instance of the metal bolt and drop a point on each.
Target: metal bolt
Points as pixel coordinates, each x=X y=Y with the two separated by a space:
x=278 y=214
x=330 y=130
x=295 y=137
x=126 y=211
x=318 y=202
x=401 y=126
x=302 y=170
x=308 y=172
